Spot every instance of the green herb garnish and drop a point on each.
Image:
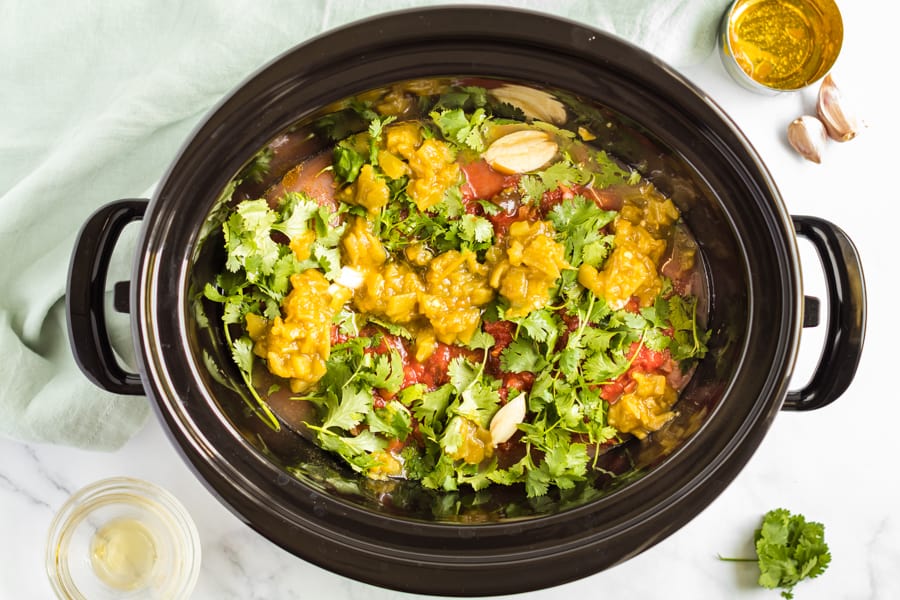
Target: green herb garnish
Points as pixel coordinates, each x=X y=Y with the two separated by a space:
x=789 y=549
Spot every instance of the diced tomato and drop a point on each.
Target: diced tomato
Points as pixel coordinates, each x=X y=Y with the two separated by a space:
x=502 y=332
x=413 y=373
x=550 y=199
x=633 y=305
x=611 y=392
x=433 y=372
x=647 y=360
x=482 y=182
x=389 y=342
x=572 y=323
x=337 y=337
x=515 y=381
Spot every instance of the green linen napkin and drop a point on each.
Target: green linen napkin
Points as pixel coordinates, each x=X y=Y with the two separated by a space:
x=95 y=100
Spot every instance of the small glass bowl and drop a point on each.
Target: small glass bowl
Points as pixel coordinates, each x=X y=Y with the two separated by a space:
x=123 y=538
x=774 y=46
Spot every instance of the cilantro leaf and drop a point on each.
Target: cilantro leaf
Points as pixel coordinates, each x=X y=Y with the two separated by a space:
x=476 y=229
x=481 y=340
x=346 y=163
x=479 y=403
x=355 y=449
x=295 y=211
x=610 y=173
x=393 y=420
x=463 y=130
x=540 y=326
x=532 y=188
x=258 y=167
x=462 y=374
x=376 y=127
x=417 y=464
x=385 y=371
x=433 y=406
x=349 y=411
x=248 y=239
x=520 y=356
x=563 y=172
x=242 y=353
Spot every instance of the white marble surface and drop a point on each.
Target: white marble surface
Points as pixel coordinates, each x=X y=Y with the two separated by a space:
x=836 y=465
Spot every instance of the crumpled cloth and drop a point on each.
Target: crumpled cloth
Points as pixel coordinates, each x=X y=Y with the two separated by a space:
x=95 y=100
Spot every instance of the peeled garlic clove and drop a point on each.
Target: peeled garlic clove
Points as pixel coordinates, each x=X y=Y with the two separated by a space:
x=840 y=123
x=808 y=137
x=521 y=151
x=505 y=420
x=536 y=104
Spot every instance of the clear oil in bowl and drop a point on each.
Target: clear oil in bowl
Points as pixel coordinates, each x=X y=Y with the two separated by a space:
x=122 y=538
x=123 y=554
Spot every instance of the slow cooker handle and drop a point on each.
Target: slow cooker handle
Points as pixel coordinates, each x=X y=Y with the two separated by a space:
x=85 y=292
x=846 y=327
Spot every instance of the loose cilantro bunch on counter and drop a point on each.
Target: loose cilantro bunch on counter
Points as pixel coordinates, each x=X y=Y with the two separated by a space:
x=789 y=549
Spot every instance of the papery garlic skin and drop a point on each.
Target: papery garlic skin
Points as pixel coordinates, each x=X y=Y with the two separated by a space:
x=807 y=135
x=840 y=123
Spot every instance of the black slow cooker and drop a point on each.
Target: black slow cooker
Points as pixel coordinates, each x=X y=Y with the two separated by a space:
x=396 y=534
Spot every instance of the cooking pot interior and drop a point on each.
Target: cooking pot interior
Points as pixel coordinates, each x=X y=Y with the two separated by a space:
x=668 y=149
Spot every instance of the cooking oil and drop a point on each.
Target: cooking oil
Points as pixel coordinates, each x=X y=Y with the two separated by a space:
x=784 y=44
x=123 y=554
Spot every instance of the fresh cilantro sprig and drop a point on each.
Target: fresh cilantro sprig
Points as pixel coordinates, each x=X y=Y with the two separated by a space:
x=463 y=130
x=675 y=320
x=579 y=223
x=376 y=128
x=608 y=172
x=441 y=228
x=789 y=549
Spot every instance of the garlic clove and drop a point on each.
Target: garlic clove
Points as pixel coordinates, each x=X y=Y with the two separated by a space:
x=506 y=420
x=807 y=136
x=840 y=123
x=521 y=151
x=536 y=104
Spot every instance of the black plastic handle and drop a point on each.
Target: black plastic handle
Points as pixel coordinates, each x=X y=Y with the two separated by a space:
x=846 y=327
x=85 y=291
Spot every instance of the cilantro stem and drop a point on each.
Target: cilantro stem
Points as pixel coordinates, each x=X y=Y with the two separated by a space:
x=267 y=416
x=694 y=327
x=730 y=559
